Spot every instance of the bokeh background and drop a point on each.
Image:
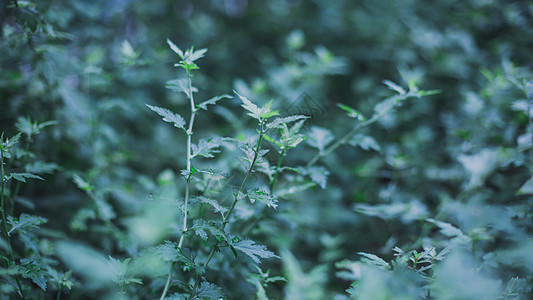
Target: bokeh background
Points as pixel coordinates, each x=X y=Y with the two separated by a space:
x=462 y=156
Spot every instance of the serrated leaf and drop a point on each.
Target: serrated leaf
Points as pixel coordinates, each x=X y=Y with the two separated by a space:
x=8 y=143
x=319 y=137
x=253 y=110
x=261 y=196
x=212 y=101
x=449 y=230
x=22 y=176
x=169 y=116
x=181 y=86
x=24 y=222
x=393 y=86
x=208 y=291
x=375 y=260
x=170 y=252
x=318 y=175
x=253 y=250
x=35 y=271
x=201 y=227
x=214 y=203
x=206 y=148
x=278 y=122
x=175 y=48
x=365 y=142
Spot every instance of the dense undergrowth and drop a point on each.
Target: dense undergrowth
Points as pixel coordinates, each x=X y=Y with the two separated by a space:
x=318 y=150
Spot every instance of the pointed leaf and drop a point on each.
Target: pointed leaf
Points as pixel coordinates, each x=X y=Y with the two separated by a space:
x=175 y=48
x=212 y=101
x=253 y=250
x=169 y=116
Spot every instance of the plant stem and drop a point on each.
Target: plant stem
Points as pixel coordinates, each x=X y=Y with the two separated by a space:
x=356 y=129
x=188 y=186
x=4 y=221
x=273 y=183
x=17 y=186
x=230 y=211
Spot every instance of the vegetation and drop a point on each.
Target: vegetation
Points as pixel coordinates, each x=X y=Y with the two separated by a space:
x=318 y=150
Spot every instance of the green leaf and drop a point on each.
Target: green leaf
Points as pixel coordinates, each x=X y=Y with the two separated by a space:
x=393 y=86
x=169 y=116
x=253 y=110
x=365 y=142
x=214 y=203
x=180 y=86
x=352 y=113
x=170 y=252
x=206 y=148
x=24 y=222
x=319 y=138
x=81 y=183
x=253 y=250
x=449 y=230
x=279 y=122
x=212 y=101
x=41 y=167
x=208 y=291
x=175 y=48
x=22 y=176
x=201 y=227
x=318 y=175
x=8 y=143
x=261 y=196
x=375 y=260
x=35 y=271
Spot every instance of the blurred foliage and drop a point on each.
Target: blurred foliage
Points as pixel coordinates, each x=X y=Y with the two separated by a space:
x=430 y=201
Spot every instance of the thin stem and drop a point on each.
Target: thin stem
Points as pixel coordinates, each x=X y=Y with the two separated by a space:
x=58 y=292
x=17 y=186
x=273 y=183
x=230 y=211
x=188 y=186
x=355 y=130
x=4 y=222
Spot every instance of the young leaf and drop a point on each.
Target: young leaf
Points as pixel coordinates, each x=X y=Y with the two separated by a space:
x=214 y=203
x=22 y=176
x=169 y=251
x=253 y=110
x=375 y=260
x=318 y=175
x=253 y=250
x=24 y=222
x=352 y=113
x=319 y=138
x=35 y=271
x=169 y=116
x=278 y=122
x=175 y=48
x=208 y=291
x=261 y=196
x=212 y=101
x=180 y=86
x=365 y=142
x=393 y=86
x=206 y=148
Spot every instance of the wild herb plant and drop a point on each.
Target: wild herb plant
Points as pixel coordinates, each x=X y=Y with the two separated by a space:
x=215 y=231
x=24 y=252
